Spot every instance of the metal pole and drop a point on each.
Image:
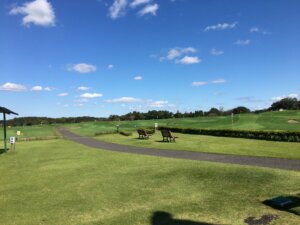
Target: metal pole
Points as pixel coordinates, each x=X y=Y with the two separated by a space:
x=4 y=127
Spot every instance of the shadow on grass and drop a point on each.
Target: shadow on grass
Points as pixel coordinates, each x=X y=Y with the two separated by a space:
x=164 y=218
x=293 y=207
x=2 y=150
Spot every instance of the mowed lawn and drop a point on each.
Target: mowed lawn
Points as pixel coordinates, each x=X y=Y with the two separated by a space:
x=60 y=182
x=286 y=121
x=202 y=143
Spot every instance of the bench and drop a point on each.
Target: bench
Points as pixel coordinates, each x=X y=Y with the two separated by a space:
x=167 y=136
x=143 y=134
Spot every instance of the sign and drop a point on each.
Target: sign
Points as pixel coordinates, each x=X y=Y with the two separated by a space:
x=12 y=140
x=18 y=133
x=155 y=125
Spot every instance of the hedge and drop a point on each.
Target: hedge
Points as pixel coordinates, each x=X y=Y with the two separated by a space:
x=251 y=134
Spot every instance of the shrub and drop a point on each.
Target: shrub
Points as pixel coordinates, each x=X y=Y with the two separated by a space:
x=251 y=134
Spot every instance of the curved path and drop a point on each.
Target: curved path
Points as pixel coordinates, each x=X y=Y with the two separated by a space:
x=287 y=164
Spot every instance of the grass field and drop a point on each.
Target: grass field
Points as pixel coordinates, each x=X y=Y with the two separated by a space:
x=202 y=143
x=32 y=131
x=264 y=121
x=60 y=182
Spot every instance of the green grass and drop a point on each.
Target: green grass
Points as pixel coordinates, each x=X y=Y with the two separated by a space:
x=31 y=131
x=201 y=143
x=60 y=182
x=264 y=121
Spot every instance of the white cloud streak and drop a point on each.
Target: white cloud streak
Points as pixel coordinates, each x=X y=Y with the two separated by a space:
x=12 y=87
x=91 y=95
x=242 y=42
x=63 y=94
x=136 y=3
x=278 y=98
x=117 y=9
x=38 y=12
x=203 y=83
x=149 y=9
x=138 y=78
x=83 y=88
x=216 y=52
x=221 y=26
x=82 y=68
x=187 y=60
x=124 y=100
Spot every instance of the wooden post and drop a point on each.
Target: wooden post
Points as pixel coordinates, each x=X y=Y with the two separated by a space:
x=4 y=127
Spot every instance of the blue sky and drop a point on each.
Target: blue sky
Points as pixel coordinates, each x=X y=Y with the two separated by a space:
x=100 y=57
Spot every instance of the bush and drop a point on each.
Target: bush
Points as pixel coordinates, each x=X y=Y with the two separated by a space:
x=288 y=136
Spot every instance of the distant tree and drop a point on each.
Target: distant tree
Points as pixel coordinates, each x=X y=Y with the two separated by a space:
x=241 y=109
x=286 y=103
x=214 y=112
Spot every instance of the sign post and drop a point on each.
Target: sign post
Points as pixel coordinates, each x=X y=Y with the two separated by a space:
x=155 y=126
x=13 y=143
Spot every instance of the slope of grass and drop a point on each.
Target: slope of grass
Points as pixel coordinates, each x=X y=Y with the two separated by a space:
x=264 y=121
x=31 y=131
x=60 y=182
x=202 y=143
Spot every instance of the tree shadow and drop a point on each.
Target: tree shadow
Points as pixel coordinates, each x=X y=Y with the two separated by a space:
x=290 y=207
x=165 y=218
x=2 y=150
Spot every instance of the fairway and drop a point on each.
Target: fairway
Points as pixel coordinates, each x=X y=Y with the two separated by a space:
x=263 y=121
x=202 y=143
x=60 y=182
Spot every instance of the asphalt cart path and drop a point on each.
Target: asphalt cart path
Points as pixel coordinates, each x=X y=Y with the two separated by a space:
x=278 y=163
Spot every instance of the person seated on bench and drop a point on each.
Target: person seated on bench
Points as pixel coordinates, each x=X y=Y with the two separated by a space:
x=167 y=135
x=143 y=134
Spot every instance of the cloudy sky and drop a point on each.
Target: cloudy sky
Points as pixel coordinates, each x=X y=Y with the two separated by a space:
x=102 y=57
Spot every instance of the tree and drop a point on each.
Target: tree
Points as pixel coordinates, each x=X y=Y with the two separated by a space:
x=241 y=109
x=285 y=103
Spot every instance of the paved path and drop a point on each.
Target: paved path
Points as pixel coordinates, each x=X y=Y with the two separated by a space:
x=287 y=164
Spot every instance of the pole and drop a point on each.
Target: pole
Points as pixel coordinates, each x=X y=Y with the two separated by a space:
x=4 y=127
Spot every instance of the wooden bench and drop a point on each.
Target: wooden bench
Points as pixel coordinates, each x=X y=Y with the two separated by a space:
x=143 y=134
x=167 y=136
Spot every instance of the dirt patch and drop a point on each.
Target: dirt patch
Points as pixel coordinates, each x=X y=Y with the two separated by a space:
x=264 y=220
x=293 y=121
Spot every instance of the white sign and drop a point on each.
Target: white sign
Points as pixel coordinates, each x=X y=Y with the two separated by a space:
x=156 y=125
x=12 y=140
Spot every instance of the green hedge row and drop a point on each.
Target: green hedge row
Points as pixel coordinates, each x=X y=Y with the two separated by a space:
x=251 y=134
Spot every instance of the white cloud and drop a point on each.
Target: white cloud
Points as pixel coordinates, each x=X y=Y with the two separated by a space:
x=110 y=66
x=124 y=100
x=157 y=104
x=278 y=98
x=40 y=88
x=202 y=83
x=242 y=42
x=48 y=89
x=37 y=88
x=199 y=83
x=216 y=52
x=189 y=60
x=259 y=30
x=63 y=94
x=138 y=78
x=38 y=12
x=136 y=3
x=254 y=30
x=149 y=9
x=12 y=87
x=176 y=52
x=117 y=9
x=91 y=95
x=218 y=81
x=83 y=88
x=223 y=26
x=82 y=68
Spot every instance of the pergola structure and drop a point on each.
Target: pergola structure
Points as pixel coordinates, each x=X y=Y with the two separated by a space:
x=5 y=111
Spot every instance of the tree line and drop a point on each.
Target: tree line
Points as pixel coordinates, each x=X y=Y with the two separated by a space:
x=285 y=104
